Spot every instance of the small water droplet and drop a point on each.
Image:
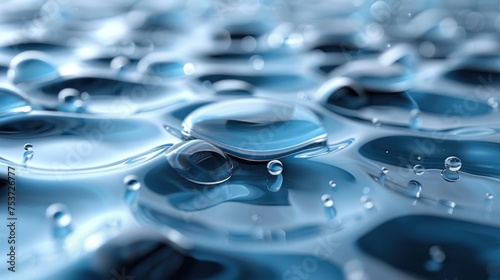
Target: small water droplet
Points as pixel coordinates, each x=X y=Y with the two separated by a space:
x=256 y=218
x=119 y=63
x=437 y=254
x=493 y=102
x=257 y=62
x=200 y=162
x=327 y=200
x=384 y=170
x=388 y=45
x=419 y=169
x=450 y=176
x=489 y=196
x=376 y=122
x=59 y=214
x=332 y=184
x=414 y=188
x=28 y=147
x=132 y=182
x=453 y=163
x=248 y=43
x=188 y=68
x=367 y=202
x=448 y=203
x=275 y=167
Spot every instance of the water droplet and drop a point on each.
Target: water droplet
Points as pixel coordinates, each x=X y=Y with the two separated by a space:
x=437 y=254
x=453 y=163
x=327 y=200
x=132 y=182
x=332 y=184
x=489 y=196
x=414 y=188
x=376 y=122
x=12 y=102
x=69 y=100
x=256 y=128
x=492 y=101
x=28 y=154
x=419 y=169
x=450 y=176
x=384 y=170
x=248 y=43
x=59 y=214
x=367 y=202
x=232 y=87
x=257 y=62
x=275 y=167
x=28 y=147
x=448 y=203
x=256 y=218
x=188 y=68
x=388 y=45
x=200 y=162
x=274 y=183
x=119 y=63
x=31 y=66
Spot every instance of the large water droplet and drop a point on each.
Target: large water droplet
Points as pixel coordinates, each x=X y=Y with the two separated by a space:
x=31 y=66
x=12 y=102
x=275 y=167
x=200 y=162
x=256 y=129
x=453 y=163
x=450 y=176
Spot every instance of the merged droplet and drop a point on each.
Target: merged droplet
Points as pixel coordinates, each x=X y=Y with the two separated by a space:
x=256 y=129
x=200 y=162
x=12 y=102
x=275 y=167
x=31 y=66
x=453 y=163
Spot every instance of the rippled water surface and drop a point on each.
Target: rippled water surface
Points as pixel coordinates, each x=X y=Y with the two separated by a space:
x=250 y=139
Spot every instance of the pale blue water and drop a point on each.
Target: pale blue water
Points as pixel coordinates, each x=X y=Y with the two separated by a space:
x=251 y=139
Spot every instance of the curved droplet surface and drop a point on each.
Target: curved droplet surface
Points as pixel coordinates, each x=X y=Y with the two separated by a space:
x=275 y=167
x=31 y=66
x=256 y=129
x=200 y=162
x=12 y=102
x=453 y=163
x=233 y=88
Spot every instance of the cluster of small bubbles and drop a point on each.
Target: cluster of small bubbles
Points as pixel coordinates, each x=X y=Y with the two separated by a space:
x=453 y=163
x=132 y=182
x=28 y=147
x=332 y=184
x=418 y=169
x=384 y=170
x=367 y=202
x=327 y=200
x=275 y=167
x=376 y=122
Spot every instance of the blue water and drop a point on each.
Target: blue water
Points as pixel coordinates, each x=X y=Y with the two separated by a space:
x=251 y=139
